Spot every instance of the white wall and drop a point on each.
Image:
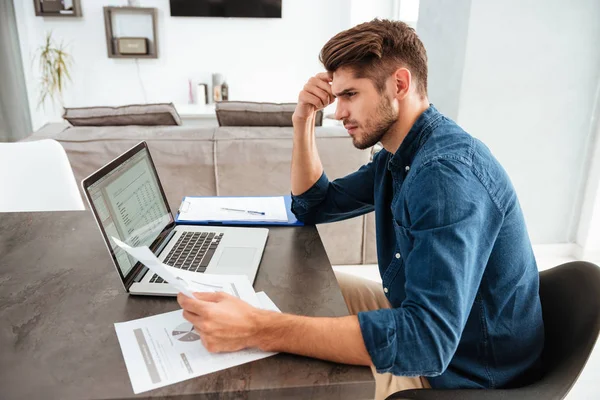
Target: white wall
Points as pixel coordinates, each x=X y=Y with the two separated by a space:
x=529 y=86
x=443 y=28
x=592 y=246
x=364 y=11
x=529 y=80
x=261 y=59
x=588 y=233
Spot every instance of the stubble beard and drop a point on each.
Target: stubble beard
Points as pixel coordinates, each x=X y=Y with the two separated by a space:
x=377 y=127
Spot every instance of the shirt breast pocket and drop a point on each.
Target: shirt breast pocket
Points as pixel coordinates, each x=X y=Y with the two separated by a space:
x=404 y=240
x=394 y=277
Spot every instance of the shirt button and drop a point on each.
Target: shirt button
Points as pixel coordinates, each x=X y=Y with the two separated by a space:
x=398 y=255
x=407 y=168
x=385 y=290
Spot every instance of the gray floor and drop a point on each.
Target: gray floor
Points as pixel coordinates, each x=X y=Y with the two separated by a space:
x=588 y=384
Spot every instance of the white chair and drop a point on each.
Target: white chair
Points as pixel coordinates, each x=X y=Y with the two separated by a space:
x=37 y=176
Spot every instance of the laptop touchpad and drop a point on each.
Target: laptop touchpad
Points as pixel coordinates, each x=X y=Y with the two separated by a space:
x=237 y=257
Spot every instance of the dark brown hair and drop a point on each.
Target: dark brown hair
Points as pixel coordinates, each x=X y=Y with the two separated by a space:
x=375 y=50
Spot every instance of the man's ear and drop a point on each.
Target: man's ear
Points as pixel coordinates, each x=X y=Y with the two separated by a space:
x=402 y=79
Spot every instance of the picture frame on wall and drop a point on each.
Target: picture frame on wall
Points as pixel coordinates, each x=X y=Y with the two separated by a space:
x=57 y=8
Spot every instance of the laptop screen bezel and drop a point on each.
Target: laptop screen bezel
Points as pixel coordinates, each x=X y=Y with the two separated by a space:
x=101 y=173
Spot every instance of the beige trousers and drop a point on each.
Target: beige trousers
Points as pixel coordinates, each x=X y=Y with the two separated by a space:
x=364 y=295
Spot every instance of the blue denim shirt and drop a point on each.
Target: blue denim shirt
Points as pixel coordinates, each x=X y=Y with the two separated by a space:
x=454 y=256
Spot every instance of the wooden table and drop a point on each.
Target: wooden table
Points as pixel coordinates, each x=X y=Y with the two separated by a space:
x=60 y=296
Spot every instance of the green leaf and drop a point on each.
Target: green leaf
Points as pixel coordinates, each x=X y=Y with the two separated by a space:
x=54 y=64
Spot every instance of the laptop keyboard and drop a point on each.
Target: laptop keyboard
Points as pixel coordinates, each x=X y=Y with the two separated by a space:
x=192 y=252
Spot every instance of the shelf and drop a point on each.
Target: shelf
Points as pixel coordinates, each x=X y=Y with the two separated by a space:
x=112 y=16
x=132 y=56
x=37 y=4
x=196 y=111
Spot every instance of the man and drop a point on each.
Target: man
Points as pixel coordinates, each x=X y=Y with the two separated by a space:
x=459 y=303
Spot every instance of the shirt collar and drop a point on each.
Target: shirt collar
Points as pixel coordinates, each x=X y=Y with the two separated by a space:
x=414 y=140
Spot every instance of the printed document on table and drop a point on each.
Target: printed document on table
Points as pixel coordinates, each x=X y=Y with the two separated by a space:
x=233 y=209
x=165 y=349
x=188 y=282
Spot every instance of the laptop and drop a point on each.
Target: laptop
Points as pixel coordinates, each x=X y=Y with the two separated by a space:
x=129 y=203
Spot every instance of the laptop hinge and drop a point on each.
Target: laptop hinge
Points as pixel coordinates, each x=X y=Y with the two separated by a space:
x=140 y=275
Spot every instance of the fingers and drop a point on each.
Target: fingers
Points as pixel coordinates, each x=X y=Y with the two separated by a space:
x=324 y=94
x=321 y=89
x=315 y=96
x=202 y=329
x=193 y=305
x=212 y=297
x=326 y=76
x=202 y=302
x=311 y=99
x=322 y=97
x=194 y=319
x=324 y=85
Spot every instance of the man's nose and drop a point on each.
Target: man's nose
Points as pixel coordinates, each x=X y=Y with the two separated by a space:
x=341 y=112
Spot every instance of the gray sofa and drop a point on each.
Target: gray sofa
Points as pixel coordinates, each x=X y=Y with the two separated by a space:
x=226 y=161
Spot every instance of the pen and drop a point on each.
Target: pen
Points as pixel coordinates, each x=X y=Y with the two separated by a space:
x=244 y=211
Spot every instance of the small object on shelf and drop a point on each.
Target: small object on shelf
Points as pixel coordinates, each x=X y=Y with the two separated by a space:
x=217 y=93
x=225 y=91
x=217 y=81
x=202 y=93
x=131 y=45
x=190 y=95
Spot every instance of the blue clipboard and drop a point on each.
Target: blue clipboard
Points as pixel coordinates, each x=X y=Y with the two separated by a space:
x=292 y=221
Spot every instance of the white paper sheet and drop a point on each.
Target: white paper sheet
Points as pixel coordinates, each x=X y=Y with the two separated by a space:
x=236 y=285
x=188 y=282
x=213 y=209
x=165 y=349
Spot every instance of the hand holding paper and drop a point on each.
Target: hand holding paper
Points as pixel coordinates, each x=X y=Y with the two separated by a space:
x=182 y=354
x=225 y=323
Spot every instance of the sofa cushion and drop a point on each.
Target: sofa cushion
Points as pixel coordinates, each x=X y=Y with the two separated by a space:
x=246 y=113
x=134 y=114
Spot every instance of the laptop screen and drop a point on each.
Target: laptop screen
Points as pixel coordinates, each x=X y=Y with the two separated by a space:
x=130 y=205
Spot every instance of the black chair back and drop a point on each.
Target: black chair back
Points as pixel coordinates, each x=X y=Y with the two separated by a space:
x=570 y=296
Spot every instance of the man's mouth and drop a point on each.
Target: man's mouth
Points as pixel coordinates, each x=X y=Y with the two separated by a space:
x=351 y=128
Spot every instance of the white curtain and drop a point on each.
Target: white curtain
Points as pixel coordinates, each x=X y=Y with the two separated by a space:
x=15 y=120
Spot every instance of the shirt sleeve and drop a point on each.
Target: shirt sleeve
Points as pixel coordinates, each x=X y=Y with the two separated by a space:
x=454 y=223
x=341 y=199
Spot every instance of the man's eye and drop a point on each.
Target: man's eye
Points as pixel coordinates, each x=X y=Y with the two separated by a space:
x=350 y=94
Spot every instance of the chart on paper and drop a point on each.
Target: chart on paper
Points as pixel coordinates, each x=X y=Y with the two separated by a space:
x=185 y=333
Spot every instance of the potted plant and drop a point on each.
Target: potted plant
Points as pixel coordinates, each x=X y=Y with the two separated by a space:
x=55 y=65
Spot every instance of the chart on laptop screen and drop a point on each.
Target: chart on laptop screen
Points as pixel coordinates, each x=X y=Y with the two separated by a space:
x=137 y=203
x=130 y=206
